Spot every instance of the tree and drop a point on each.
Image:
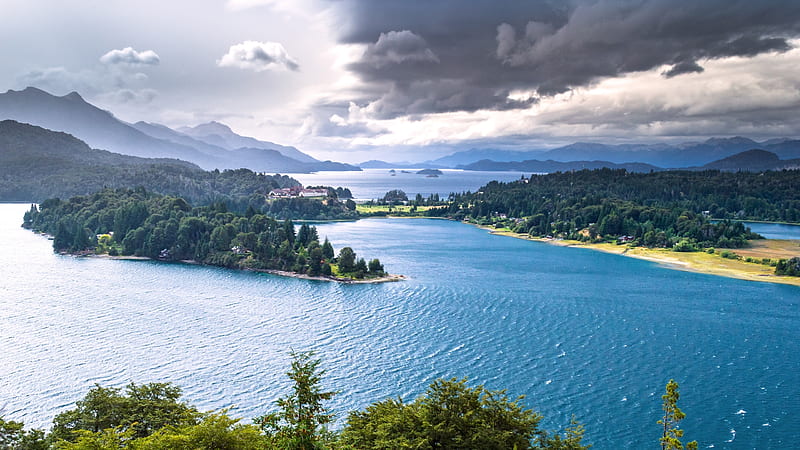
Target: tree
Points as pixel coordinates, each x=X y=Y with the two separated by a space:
x=216 y=431
x=315 y=261
x=452 y=415
x=141 y=410
x=395 y=196
x=360 y=268
x=789 y=267
x=375 y=267
x=301 y=419
x=346 y=260
x=670 y=438
x=327 y=249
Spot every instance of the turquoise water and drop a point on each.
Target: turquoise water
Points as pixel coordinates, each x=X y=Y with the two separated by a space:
x=576 y=331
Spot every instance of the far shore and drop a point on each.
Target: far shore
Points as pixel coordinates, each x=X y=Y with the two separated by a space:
x=699 y=262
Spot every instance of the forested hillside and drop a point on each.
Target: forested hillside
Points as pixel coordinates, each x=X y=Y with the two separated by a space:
x=36 y=164
x=653 y=209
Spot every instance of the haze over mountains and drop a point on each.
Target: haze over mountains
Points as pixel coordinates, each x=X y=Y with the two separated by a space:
x=214 y=145
x=637 y=157
x=210 y=146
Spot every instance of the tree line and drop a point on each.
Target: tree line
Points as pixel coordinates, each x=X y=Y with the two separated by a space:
x=140 y=223
x=451 y=414
x=662 y=209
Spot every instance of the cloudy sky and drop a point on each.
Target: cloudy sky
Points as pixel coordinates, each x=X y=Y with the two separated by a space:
x=398 y=80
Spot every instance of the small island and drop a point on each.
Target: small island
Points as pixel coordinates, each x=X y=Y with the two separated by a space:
x=136 y=224
x=430 y=172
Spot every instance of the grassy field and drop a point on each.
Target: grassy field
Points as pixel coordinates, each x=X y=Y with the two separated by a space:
x=404 y=209
x=701 y=262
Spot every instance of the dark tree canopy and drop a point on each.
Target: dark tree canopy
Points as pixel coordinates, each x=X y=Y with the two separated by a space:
x=137 y=222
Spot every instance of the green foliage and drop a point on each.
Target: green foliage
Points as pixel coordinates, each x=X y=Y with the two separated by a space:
x=141 y=223
x=656 y=209
x=14 y=437
x=301 y=419
x=572 y=438
x=215 y=431
x=394 y=197
x=140 y=410
x=685 y=245
x=375 y=267
x=346 y=260
x=453 y=415
x=789 y=267
x=670 y=437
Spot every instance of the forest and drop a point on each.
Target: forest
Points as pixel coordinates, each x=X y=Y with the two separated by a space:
x=136 y=222
x=37 y=164
x=660 y=209
x=450 y=414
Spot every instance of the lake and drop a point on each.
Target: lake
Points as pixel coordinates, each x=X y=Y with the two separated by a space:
x=576 y=331
x=374 y=183
x=775 y=230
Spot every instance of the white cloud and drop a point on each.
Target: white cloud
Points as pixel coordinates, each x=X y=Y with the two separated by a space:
x=131 y=57
x=258 y=56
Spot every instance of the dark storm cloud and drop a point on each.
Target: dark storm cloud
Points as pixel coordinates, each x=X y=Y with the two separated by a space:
x=397 y=47
x=682 y=68
x=451 y=55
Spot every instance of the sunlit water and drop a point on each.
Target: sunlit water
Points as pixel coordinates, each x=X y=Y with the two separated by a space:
x=576 y=331
x=374 y=183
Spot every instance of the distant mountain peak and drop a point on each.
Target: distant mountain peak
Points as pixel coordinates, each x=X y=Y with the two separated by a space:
x=213 y=127
x=74 y=96
x=730 y=140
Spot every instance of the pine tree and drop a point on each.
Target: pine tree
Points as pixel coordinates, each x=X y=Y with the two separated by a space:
x=300 y=422
x=670 y=438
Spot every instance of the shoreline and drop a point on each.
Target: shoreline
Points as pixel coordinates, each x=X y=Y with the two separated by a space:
x=387 y=278
x=697 y=262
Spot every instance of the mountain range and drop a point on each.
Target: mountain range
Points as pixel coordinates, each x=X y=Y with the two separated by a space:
x=582 y=154
x=749 y=160
x=214 y=145
x=210 y=146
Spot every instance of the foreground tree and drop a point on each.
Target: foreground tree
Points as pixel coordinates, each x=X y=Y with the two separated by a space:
x=214 y=431
x=452 y=415
x=14 y=437
x=142 y=410
x=670 y=438
x=300 y=423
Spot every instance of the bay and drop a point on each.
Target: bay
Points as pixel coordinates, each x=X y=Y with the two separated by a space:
x=576 y=331
x=775 y=230
x=370 y=184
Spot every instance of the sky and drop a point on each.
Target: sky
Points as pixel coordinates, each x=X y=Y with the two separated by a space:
x=410 y=80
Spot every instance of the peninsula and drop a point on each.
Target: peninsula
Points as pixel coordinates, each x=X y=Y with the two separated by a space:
x=125 y=223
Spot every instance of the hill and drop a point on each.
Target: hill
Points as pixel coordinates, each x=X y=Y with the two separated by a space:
x=36 y=163
x=98 y=128
x=210 y=146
